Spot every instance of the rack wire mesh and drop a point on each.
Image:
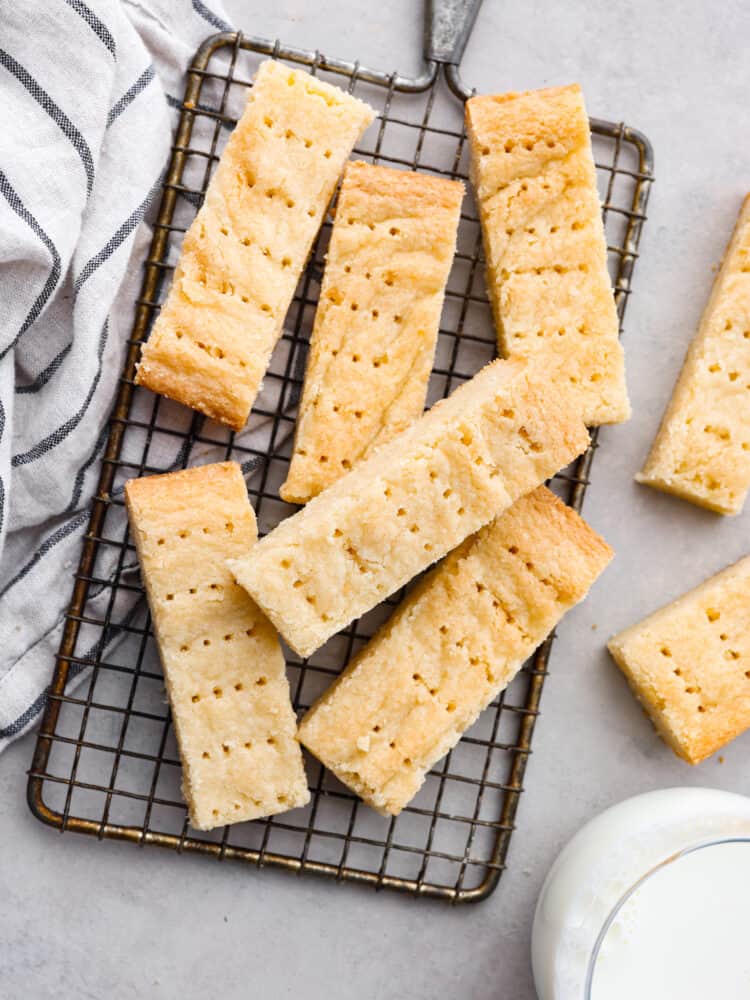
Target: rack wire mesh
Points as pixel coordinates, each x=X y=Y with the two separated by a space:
x=106 y=761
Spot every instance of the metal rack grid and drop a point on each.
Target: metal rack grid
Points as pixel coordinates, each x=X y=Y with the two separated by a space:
x=106 y=762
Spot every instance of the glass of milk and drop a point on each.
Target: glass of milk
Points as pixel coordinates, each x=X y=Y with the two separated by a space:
x=651 y=899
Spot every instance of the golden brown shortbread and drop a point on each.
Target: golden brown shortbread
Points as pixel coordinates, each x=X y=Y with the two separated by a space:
x=222 y=661
x=453 y=644
x=472 y=455
x=535 y=184
x=377 y=320
x=244 y=252
x=702 y=450
x=689 y=664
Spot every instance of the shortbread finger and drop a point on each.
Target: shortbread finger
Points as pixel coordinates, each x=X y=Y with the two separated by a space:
x=459 y=466
x=222 y=661
x=535 y=182
x=376 y=325
x=454 y=643
x=689 y=664
x=243 y=255
x=702 y=450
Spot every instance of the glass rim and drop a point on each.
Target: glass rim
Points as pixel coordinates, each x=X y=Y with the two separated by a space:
x=632 y=889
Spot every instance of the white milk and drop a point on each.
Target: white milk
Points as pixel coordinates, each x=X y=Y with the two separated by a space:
x=683 y=933
x=610 y=856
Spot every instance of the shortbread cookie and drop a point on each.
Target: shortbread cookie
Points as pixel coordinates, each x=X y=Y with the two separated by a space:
x=454 y=643
x=702 y=450
x=243 y=255
x=377 y=321
x=689 y=664
x=222 y=661
x=535 y=183
x=459 y=466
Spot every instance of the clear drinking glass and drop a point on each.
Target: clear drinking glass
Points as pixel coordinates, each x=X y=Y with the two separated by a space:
x=607 y=926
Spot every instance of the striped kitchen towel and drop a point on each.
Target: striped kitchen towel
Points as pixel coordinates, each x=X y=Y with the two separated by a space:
x=88 y=90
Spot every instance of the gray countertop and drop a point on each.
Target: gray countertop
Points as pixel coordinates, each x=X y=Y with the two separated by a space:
x=93 y=920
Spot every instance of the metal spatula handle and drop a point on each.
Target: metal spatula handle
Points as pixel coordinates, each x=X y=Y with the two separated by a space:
x=448 y=25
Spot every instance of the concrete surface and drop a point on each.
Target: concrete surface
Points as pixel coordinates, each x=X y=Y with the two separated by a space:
x=80 y=919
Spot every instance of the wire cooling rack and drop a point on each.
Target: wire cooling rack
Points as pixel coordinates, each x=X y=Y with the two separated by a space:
x=106 y=761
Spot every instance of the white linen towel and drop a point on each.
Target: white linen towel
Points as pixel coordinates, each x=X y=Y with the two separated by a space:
x=87 y=98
